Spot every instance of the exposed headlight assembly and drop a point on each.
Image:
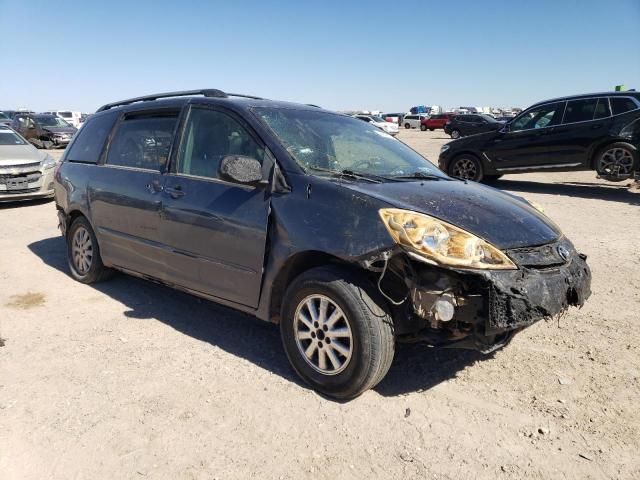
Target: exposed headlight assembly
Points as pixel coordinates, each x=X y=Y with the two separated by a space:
x=444 y=148
x=441 y=243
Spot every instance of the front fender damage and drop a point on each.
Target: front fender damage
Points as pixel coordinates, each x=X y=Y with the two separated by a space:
x=478 y=309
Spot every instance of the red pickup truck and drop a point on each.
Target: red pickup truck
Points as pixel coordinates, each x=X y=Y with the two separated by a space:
x=435 y=121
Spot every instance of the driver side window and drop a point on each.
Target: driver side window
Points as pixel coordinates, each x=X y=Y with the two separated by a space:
x=210 y=136
x=539 y=117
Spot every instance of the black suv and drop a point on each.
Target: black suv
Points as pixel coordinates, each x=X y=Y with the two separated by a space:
x=598 y=132
x=465 y=125
x=317 y=221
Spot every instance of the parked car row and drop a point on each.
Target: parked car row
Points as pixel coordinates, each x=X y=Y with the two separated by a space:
x=46 y=129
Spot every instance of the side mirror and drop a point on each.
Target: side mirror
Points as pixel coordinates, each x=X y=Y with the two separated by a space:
x=241 y=169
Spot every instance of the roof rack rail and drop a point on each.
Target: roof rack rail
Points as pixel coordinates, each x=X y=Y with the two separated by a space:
x=207 y=92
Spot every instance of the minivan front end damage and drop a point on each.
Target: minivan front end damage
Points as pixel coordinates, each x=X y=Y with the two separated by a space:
x=480 y=309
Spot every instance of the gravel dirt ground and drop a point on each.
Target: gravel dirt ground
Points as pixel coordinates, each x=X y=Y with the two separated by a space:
x=129 y=380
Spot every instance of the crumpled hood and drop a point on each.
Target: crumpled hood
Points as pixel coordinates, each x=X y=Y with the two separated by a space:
x=19 y=155
x=503 y=220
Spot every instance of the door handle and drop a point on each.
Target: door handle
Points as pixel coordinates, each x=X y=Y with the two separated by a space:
x=175 y=192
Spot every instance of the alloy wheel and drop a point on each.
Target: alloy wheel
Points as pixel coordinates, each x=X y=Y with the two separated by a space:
x=82 y=250
x=616 y=162
x=465 y=168
x=323 y=334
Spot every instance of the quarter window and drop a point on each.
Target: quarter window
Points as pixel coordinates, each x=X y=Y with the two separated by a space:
x=602 y=109
x=580 y=110
x=88 y=146
x=622 y=104
x=143 y=141
x=210 y=136
x=539 y=117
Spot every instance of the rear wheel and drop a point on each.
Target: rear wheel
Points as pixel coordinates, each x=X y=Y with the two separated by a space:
x=466 y=167
x=616 y=162
x=455 y=134
x=83 y=253
x=337 y=333
x=407 y=126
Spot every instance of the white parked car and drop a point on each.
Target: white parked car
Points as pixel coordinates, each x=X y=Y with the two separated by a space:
x=412 y=120
x=68 y=116
x=388 y=127
x=25 y=172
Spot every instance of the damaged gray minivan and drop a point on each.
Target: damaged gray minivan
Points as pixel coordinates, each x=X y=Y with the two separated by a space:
x=343 y=235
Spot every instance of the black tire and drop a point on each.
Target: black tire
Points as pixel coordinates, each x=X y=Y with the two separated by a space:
x=455 y=133
x=407 y=126
x=423 y=128
x=96 y=271
x=612 y=172
x=372 y=342
x=431 y=129
x=466 y=167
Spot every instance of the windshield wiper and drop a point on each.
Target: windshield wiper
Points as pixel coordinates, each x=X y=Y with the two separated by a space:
x=421 y=176
x=350 y=174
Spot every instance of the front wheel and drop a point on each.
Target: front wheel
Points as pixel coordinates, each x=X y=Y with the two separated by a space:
x=407 y=126
x=337 y=333
x=466 y=167
x=455 y=134
x=423 y=128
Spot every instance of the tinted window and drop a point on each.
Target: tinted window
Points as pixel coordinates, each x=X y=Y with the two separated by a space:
x=621 y=104
x=539 y=117
x=602 y=109
x=580 y=110
x=143 y=141
x=88 y=145
x=209 y=137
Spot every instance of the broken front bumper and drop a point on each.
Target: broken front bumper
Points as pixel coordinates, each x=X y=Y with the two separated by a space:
x=490 y=306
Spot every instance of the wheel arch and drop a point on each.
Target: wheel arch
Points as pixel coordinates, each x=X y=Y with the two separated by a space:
x=295 y=266
x=598 y=146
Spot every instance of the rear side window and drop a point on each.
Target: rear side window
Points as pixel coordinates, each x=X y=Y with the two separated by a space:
x=90 y=141
x=143 y=141
x=580 y=110
x=602 y=109
x=622 y=104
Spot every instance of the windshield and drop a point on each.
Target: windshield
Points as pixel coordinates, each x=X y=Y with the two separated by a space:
x=322 y=140
x=3 y=116
x=378 y=119
x=488 y=118
x=51 y=121
x=9 y=137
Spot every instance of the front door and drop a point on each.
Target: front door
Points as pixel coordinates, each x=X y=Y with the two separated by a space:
x=126 y=195
x=529 y=140
x=215 y=231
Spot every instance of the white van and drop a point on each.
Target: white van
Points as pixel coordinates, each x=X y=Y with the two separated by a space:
x=68 y=116
x=412 y=120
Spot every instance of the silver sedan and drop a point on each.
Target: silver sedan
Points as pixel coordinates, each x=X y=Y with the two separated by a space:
x=26 y=173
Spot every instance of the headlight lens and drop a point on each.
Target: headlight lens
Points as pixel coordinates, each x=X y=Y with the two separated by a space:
x=48 y=162
x=444 y=148
x=442 y=243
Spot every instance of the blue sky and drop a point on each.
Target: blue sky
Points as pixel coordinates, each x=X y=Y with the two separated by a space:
x=387 y=55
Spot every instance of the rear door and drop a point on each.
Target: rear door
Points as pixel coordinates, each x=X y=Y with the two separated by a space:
x=215 y=231
x=584 y=122
x=529 y=140
x=125 y=195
